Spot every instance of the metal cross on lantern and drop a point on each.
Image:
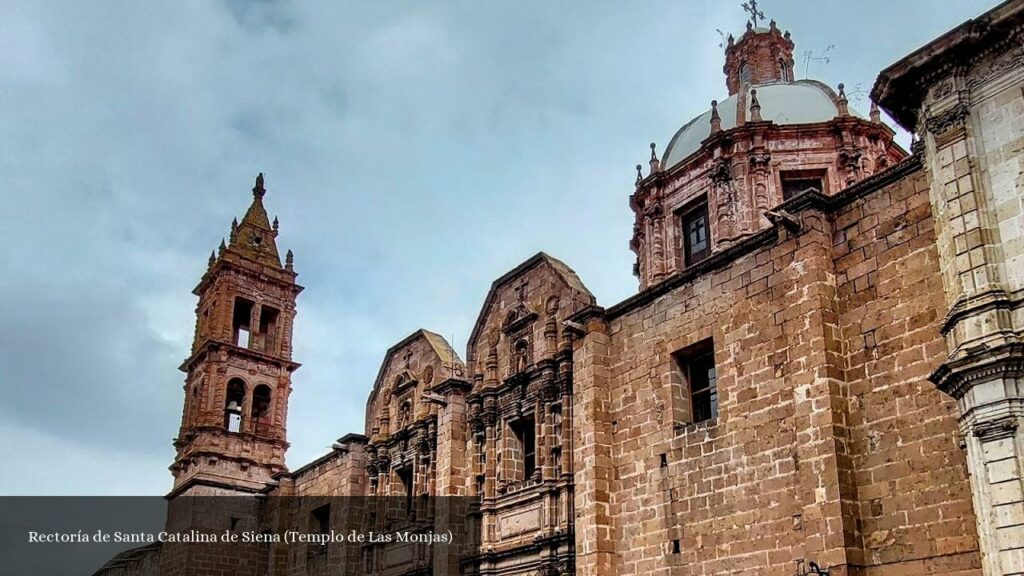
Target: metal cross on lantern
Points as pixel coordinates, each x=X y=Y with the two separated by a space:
x=755 y=14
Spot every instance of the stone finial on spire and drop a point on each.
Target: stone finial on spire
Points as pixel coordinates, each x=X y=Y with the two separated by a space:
x=234 y=230
x=716 y=120
x=843 y=104
x=276 y=225
x=213 y=258
x=639 y=174
x=289 y=260
x=258 y=190
x=655 y=164
x=223 y=246
x=875 y=114
x=755 y=107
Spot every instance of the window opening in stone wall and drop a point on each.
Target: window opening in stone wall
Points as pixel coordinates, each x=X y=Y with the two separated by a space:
x=696 y=234
x=405 y=477
x=697 y=365
x=261 y=410
x=240 y=320
x=525 y=439
x=798 y=181
x=785 y=72
x=233 y=405
x=320 y=523
x=745 y=74
x=268 y=328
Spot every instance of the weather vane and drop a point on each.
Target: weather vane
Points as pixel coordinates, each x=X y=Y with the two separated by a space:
x=755 y=14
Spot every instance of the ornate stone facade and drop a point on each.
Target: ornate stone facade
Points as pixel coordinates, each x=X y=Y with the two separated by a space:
x=823 y=367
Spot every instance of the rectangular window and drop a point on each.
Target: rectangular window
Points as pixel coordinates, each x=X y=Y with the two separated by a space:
x=240 y=321
x=696 y=234
x=320 y=519
x=268 y=328
x=697 y=366
x=798 y=181
x=406 y=478
x=525 y=434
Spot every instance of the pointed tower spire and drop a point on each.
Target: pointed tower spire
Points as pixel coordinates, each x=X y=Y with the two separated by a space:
x=716 y=120
x=655 y=164
x=253 y=237
x=234 y=230
x=755 y=107
x=639 y=174
x=213 y=258
x=276 y=224
x=843 y=104
x=289 y=261
x=222 y=247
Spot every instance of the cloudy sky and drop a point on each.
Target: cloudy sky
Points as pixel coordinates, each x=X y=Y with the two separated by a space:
x=414 y=151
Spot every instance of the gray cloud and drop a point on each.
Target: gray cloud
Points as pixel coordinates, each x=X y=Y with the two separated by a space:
x=414 y=151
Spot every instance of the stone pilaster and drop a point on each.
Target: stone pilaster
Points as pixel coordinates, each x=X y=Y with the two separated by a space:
x=595 y=543
x=967 y=105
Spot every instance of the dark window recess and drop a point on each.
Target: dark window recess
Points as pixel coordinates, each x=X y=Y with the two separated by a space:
x=526 y=438
x=676 y=547
x=320 y=519
x=696 y=234
x=793 y=184
x=703 y=388
x=240 y=320
x=406 y=478
x=261 y=410
x=268 y=328
x=697 y=365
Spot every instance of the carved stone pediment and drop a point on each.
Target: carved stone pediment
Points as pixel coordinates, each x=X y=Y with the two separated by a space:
x=517 y=318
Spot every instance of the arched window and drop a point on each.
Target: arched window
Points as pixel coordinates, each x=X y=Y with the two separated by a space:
x=261 y=410
x=745 y=74
x=233 y=405
x=785 y=72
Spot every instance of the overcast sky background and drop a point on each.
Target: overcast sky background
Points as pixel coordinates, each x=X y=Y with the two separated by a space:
x=414 y=152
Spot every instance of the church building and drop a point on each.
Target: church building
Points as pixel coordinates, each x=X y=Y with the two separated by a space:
x=822 y=368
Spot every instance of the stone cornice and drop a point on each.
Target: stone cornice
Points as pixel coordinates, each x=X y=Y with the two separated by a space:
x=211 y=484
x=810 y=200
x=991 y=300
x=901 y=88
x=956 y=377
x=213 y=345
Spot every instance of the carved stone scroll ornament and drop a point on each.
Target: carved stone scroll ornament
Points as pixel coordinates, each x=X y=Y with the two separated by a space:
x=948 y=120
x=850 y=163
x=996 y=429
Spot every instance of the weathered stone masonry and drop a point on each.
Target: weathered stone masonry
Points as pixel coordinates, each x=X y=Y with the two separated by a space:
x=824 y=364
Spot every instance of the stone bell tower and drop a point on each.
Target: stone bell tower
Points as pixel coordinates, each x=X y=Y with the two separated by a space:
x=238 y=377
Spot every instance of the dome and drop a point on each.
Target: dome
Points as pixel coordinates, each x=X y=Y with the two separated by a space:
x=800 y=102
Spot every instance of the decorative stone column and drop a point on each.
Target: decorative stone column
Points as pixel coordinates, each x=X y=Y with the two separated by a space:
x=964 y=94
